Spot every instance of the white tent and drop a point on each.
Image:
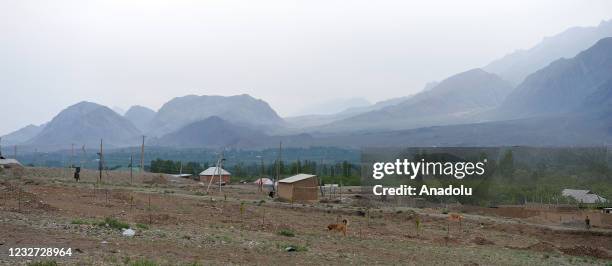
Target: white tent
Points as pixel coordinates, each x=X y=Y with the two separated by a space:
x=265 y=181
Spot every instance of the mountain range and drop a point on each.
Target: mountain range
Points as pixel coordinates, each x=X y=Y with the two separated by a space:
x=240 y=109
x=140 y=116
x=516 y=66
x=85 y=123
x=453 y=100
x=566 y=100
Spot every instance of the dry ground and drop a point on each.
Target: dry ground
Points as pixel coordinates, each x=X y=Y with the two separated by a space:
x=177 y=223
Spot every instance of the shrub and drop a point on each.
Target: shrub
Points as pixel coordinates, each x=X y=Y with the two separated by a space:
x=114 y=223
x=79 y=221
x=142 y=226
x=43 y=263
x=143 y=262
x=286 y=232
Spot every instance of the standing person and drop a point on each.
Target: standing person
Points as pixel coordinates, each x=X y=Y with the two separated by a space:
x=77 y=173
x=587 y=223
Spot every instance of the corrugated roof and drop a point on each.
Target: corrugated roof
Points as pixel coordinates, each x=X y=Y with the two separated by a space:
x=214 y=171
x=584 y=196
x=295 y=178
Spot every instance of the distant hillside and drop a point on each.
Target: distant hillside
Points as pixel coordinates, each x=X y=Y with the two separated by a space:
x=579 y=130
x=518 y=65
x=454 y=100
x=568 y=103
x=307 y=121
x=563 y=86
x=334 y=106
x=140 y=116
x=22 y=135
x=86 y=123
x=242 y=110
x=214 y=132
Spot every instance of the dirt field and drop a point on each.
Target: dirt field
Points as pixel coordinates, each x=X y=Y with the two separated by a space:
x=177 y=223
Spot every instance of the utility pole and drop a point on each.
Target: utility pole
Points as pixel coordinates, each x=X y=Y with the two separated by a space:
x=142 y=155
x=262 y=174
x=15 y=152
x=219 y=167
x=131 y=167
x=100 y=162
x=278 y=164
x=83 y=155
x=72 y=155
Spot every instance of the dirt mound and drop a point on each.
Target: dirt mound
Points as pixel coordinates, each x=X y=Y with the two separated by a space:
x=22 y=200
x=482 y=241
x=157 y=180
x=122 y=195
x=542 y=247
x=447 y=241
x=586 y=251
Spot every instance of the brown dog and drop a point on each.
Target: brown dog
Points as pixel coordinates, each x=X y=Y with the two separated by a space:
x=339 y=227
x=453 y=217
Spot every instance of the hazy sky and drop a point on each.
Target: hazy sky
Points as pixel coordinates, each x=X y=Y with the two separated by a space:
x=289 y=53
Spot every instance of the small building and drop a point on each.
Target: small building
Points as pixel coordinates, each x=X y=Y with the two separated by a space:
x=9 y=163
x=583 y=196
x=301 y=187
x=212 y=173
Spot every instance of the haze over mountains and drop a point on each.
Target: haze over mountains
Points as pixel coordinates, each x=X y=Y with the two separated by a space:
x=140 y=116
x=562 y=86
x=240 y=109
x=85 y=123
x=22 y=135
x=516 y=66
x=568 y=102
x=564 y=100
x=451 y=101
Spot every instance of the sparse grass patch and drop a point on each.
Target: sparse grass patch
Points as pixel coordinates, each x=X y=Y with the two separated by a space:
x=192 y=264
x=286 y=232
x=142 y=226
x=143 y=262
x=43 y=263
x=113 y=223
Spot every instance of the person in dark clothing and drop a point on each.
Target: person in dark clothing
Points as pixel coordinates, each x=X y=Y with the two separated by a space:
x=77 y=173
x=587 y=222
